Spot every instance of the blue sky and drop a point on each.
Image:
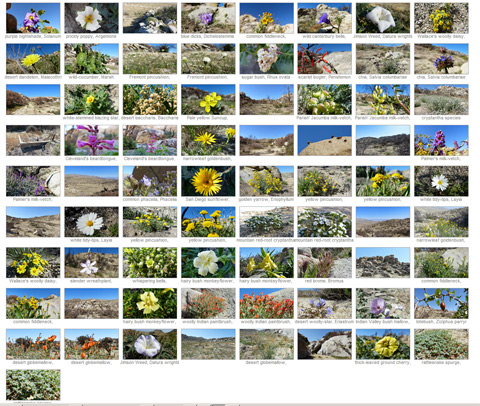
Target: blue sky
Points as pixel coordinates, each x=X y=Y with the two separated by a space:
x=386 y=45
x=328 y=48
x=193 y=212
x=128 y=170
x=401 y=253
x=39 y=293
x=22 y=50
x=256 y=291
x=99 y=333
x=87 y=293
x=433 y=87
x=463 y=48
x=259 y=92
x=266 y=131
x=150 y=330
x=108 y=49
x=391 y=168
x=108 y=250
x=386 y=88
x=452 y=133
x=315 y=133
x=33 y=333
x=52 y=13
x=109 y=172
x=383 y=213
x=219 y=89
x=281 y=12
x=314 y=5
x=209 y=333
x=252 y=251
x=28 y=212
x=451 y=305
x=377 y=131
x=285 y=169
x=316 y=334
x=381 y=332
x=36 y=90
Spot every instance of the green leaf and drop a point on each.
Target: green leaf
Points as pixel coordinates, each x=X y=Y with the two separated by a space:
x=82 y=59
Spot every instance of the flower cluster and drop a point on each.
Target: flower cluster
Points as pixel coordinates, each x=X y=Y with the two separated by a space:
x=30 y=264
x=265 y=183
x=317 y=309
x=265 y=307
x=435 y=145
x=24 y=308
x=315 y=184
x=150 y=223
x=267 y=57
x=206 y=18
x=266 y=18
x=151 y=186
x=206 y=227
x=265 y=224
x=434 y=265
x=27 y=348
x=267 y=264
x=94 y=143
x=386 y=185
x=443 y=63
x=378 y=105
x=205 y=306
x=150 y=262
x=88 y=348
x=211 y=103
x=442 y=21
x=327 y=224
x=19 y=184
x=444 y=228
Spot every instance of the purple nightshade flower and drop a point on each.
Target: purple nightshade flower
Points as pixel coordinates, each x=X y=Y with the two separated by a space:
x=377 y=306
x=30 y=19
x=324 y=19
x=206 y=18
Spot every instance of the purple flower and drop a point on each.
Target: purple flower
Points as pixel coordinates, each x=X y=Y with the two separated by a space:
x=377 y=306
x=31 y=19
x=324 y=19
x=206 y=18
x=329 y=310
x=146 y=181
x=455 y=144
x=320 y=303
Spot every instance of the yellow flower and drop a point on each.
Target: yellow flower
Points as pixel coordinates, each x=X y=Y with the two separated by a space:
x=213 y=235
x=148 y=303
x=204 y=212
x=207 y=181
x=267 y=264
x=215 y=215
x=90 y=99
x=230 y=132
x=266 y=18
x=190 y=227
x=386 y=346
x=34 y=271
x=210 y=101
x=31 y=59
x=207 y=223
x=206 y=138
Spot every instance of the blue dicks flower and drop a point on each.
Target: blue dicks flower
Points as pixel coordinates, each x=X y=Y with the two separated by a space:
x=206 y=18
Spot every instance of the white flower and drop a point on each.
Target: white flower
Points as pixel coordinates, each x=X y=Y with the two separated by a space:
x=88 y=267
x=147 y=345
x=383 y=18
x=206 y=261
x=267 y=57
x=88 y=223
x=224 y=55
x=440 y=182
x=206 y=60
x=184 y=59
x=89 y=18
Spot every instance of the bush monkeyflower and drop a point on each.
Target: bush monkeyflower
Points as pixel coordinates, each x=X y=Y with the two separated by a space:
x=206 y=262
x=148 y=303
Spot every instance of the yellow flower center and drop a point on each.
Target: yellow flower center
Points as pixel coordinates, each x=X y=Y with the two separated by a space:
x=89 y=223
x=89 y=19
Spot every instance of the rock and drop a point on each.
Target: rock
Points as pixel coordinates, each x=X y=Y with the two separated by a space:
x=338 y=346
x=188 y=296
x=226 y=15
x=247 y=172
x=303 y=349
x=341 y=268
x=54 y=182
x=11 y=23
x=389 y=145
x=457 y=255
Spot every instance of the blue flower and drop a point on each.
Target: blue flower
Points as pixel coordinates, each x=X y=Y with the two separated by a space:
x=324 y=19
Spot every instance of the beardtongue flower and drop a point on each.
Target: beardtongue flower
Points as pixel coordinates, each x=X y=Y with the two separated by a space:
x=382 y=18
x=147 y=345
x=377 y=306
x=93 y=142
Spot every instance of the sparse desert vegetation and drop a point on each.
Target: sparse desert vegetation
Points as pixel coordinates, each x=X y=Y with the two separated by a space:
x=254 y=140
x=266 y=344
x=383 y=222
x=397 y=145
x=150 y=18
x=382 y=59
x=434 y=222
x=99 y=303
x=325 y=18
x=318 y=262
x=380 y=303
x=274 y=100
x=33 y=140
x=442 y=100
x=33 y=222
x=150 y=221
x=441 y=262
x=208 y=17
x=211 y=59
x=330 y=303
x=91 y=181
x=19 y=102
x=266 y=222
x=324 y=181
x=441 y=344
x=140 y=59
x=208 y=344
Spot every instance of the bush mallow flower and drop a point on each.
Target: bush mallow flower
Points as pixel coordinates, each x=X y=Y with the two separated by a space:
x=89 y=18
x=147 y=345
x=88 y=223
x=148 y=303
x=88 y=267
x=206 y=261
x=386 y=346
x=377 y=306
x=440 y=182
x=381 y=17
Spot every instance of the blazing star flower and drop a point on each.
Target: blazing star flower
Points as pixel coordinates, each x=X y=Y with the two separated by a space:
x=377 y=306
x=206 y=262
x=324 y=19
x=88 y=223
x=88 y=267
x=381 y=17
x=89 y=18
x=206 y=18
x=147 y=345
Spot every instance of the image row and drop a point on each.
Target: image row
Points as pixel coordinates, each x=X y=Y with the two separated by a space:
x=220 y=59
x=254 y=262
x=220 y=140
x=254 y=18
x=222 y=303
x=254 y=222
x=221 y=181
x=252 y=99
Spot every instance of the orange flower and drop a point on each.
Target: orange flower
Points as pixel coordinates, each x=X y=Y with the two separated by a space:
x=85 y=346
x=83 y=355
x=51 y=338
x=113 y=347
x=44 y=347
x=68 y=356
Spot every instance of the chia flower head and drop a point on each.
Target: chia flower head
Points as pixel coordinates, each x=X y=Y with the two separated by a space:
x=377 y=306
x=324 y=19
x=206 y=18
x=443 y=63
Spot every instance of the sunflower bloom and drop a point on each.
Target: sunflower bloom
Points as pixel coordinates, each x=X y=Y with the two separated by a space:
x=207 y=181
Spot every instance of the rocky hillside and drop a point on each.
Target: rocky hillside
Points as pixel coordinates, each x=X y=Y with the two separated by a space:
x=427 y=54
x=382 y=267
x=386 y=228
x=42 y=226
x=91 y=309
x=389 y=145
x=333 y=345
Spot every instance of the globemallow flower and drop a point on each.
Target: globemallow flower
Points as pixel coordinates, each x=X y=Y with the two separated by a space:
x=382 y=18
x=147 y=345
x=88 y=223
x=440 y=182
x=89 y=18
x=88 y=267
x=148 y=303
x=386 y=346
x=206 y=262
x=377 y=306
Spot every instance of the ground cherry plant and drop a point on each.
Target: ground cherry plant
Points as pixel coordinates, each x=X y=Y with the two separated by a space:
x=265 y=307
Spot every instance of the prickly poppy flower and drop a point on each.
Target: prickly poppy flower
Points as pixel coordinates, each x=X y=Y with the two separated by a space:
x=324 y=19
x=377 y=306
